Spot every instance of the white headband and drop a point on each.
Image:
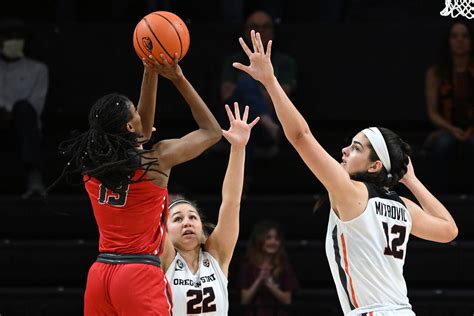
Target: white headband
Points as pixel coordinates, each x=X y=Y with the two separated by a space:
x=378 y=143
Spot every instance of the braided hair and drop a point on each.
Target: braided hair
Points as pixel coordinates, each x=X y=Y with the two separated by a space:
x=107 y=151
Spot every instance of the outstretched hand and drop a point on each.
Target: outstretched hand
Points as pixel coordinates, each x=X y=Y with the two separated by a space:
x=171 y=71
x=260 y=67
x=238 y=133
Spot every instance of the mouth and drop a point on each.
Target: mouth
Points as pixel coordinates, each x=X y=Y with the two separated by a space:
x=188 y=232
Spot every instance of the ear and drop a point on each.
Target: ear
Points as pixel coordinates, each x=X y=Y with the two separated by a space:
x=130 y=127
x=375 y=166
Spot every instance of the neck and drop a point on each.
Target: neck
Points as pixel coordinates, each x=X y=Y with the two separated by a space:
x=8 y=59
x=191 y=257
x=267 y=259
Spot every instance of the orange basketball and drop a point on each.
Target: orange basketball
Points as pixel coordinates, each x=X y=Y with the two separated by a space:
x=161 y=32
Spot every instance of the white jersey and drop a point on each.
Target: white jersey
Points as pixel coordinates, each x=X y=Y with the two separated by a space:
x=366 y=256
x=203 y=293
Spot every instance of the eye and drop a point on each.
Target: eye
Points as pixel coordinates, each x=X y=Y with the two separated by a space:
x=177 y=219
x=355 y=147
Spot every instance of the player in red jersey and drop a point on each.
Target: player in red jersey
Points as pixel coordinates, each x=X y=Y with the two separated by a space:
x=127 y=188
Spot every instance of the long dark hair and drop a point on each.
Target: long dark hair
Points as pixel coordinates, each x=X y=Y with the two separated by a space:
x=444 y=59
x=107 y=151
x=255 y=254
x=399 y=153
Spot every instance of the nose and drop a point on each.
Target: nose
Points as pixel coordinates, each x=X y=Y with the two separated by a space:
x=186 y=222
x=345 y=151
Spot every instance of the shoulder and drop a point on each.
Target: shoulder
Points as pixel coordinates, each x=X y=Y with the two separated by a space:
x=35 y=63
x=387 y=194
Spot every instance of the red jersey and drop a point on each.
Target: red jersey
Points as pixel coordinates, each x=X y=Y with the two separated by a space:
x=133 y=222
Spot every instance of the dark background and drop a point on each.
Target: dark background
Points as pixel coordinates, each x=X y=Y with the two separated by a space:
x=360 y=63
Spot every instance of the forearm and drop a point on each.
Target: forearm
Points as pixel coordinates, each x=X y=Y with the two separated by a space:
x=282 y=296
x=201 y=113
x=293 y=123
x=440 y=122
x=249 y=294
x=39 y=91
x=234 y=177
x=428 y=202
x=147 y=103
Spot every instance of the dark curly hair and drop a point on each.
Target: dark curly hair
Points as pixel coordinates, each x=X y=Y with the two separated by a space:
x=107 y=151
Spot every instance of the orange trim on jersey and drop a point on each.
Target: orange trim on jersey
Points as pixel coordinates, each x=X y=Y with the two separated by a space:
x=346 y=267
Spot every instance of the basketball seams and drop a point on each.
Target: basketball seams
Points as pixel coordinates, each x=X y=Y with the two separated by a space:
x=177 y=33
x=161 y=32
x=139 y=45
x=156 y=37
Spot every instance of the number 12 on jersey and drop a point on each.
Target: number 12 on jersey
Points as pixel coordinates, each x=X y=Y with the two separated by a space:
x=392 y=249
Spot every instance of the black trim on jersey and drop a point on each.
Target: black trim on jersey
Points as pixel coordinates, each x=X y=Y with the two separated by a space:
x=342 y=273
x=169 y=297
x=118 y=258
x=384 y=194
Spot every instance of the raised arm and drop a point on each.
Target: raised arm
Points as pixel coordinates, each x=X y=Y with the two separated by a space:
x=432 y=220
x=147 y=103
x=222 y=241
x=296 y=129
x=175 y=151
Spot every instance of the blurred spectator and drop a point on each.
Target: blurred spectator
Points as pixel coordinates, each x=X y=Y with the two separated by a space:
x=267 y=280
x=234 y=11
x=24 y=85
x=450 y=106
x=238 y=86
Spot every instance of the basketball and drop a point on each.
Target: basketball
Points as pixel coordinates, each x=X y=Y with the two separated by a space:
x=161 y=32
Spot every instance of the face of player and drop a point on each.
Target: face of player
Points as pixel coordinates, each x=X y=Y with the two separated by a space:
x=272 y=242
x=184 y=227
x=355 y=157
x=459 y=40
x=135 y=123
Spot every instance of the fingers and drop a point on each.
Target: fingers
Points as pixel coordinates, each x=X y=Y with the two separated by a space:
x=225 y=133
x=163 y=59
x=237 y=111
x=176 y=58
x=259 y=43
x=229 y=113
x=246 y=114
x=245 y=47
x=254 y=41
x=241 y=67
x=269 y=49
x=255 y=121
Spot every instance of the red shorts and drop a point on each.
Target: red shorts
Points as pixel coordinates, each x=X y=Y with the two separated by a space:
x=127 y=289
